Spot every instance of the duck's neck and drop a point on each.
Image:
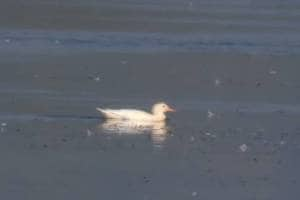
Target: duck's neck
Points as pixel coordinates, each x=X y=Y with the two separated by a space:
x=159 y=116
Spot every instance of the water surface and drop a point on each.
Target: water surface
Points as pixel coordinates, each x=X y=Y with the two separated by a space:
x=230 y=68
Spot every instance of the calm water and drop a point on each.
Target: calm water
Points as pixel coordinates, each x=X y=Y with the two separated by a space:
x=230 y=68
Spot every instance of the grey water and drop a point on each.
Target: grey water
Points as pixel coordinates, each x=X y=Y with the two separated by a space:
x=252 y=27
x=68 y=41
x=230 y=69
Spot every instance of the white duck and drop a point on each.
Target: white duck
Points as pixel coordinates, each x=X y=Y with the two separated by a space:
x=158 y=113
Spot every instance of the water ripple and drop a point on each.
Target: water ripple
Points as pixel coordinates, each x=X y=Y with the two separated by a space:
x=252 y=43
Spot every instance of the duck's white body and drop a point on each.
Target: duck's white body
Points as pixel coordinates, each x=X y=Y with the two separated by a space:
x=158 y=113
x=130 y=114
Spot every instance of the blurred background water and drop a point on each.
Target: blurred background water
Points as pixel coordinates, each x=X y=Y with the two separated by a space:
x=254 y=27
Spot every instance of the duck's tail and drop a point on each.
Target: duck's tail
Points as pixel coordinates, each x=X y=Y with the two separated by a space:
x=100 y=110
x=103 y=112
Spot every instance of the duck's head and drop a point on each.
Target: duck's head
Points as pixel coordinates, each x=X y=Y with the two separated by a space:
x=161 y=108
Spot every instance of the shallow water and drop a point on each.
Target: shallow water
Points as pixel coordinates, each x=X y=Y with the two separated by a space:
x=230 y=68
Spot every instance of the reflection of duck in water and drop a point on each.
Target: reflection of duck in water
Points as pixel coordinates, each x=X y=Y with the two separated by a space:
x=133 y=127
x=158 y=113
x=157 y=130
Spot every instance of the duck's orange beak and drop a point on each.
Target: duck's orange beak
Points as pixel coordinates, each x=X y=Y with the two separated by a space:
x=171 y=110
